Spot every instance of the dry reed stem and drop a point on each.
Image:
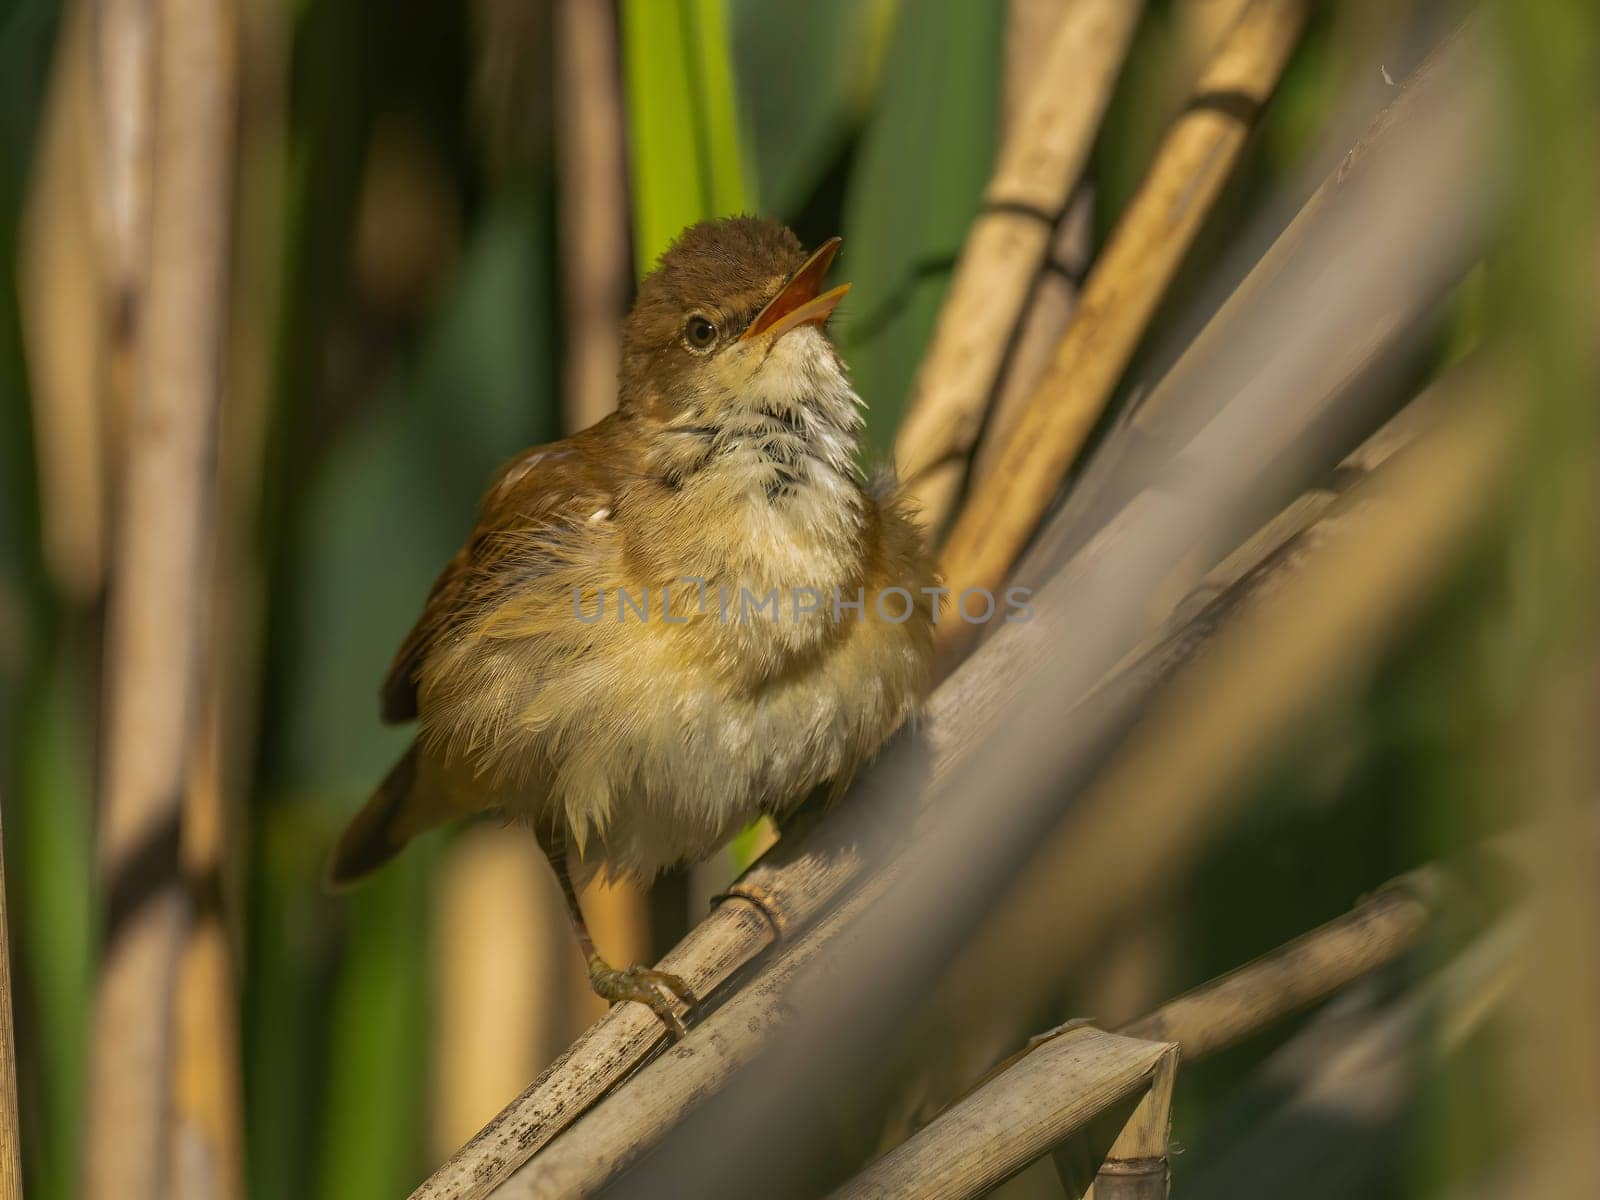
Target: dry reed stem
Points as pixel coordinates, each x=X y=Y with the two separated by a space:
x=611 y=1137
x=1051 y=303
x=1365 y=1066
x=1137 y=1167
x=1224 y=1011
x=59 y=294
x=208 y=1097
x=501 y=939
x=1024 y=1112
x=616 y=1135
x=1164 y=414
x=157 y=625
x=1314 y=966
x=10 y=1145
x=606 y=1053
x=208 y=1110
x=1269 y=557
x=123 y=37
x=1172 y=780
x=1118 y=300
x=593 y=213
x=1387 y=925
x=1041 y=161
x=1054 y=295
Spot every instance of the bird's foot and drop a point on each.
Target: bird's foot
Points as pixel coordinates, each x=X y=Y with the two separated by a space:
x=654 y=989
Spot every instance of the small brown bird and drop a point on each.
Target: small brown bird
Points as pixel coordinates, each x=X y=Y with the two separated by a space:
x=690 y=614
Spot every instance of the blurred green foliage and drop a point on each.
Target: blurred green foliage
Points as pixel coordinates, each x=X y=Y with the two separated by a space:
x=684 y=136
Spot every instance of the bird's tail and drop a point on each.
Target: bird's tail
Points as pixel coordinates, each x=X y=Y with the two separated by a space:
x=391 y=818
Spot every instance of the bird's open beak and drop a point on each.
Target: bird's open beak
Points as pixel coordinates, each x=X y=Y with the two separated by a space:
x=799 y=302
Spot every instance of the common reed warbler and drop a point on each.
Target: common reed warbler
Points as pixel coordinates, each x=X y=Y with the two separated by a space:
x=694 y=612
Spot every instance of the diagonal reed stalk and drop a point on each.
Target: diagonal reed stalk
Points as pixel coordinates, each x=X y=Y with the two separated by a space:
x=593 y=210
x=1201 y=1022
x=1040 y=163
x=1022 y=1113
x=1119 y=298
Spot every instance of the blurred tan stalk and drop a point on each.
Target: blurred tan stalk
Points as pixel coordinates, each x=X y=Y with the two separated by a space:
x=500 y=1015
x=158 y=620
x=1029 y=26
x=1119 y=298
x=1041 y=161
x=593 y=210
x=1024 y=1111
x=64 y=307
x=208 y=1133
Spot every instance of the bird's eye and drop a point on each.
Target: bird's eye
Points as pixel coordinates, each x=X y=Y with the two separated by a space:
x=700 y=333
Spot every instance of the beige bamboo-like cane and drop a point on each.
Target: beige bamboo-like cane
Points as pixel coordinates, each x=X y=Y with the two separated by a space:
x=1224 y=1011
x=1119 y=298
x=1211 y=1018
x=1040 y=163
x=1023 y=1112
x=123 y=38
x=1366 y=1064
x=502 y=940
x=1264 y=562
x=62 y=309
x=1029 y=24
x=208 y=1150
x=157 y=629
x=1161 y=416
x=1055 y=292
x=590 y=145
x=10 y=1144
x=1137 y=1168
x=615 y=1134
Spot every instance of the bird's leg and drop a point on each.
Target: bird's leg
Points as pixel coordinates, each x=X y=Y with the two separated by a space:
x=652 y=988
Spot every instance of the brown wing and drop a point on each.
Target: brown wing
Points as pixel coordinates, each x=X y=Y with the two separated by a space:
x=557 y=482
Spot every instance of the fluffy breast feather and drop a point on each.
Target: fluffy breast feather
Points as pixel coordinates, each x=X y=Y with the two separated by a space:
x=649 y=740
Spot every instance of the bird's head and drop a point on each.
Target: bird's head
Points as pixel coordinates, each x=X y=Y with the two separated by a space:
x=732 y=318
